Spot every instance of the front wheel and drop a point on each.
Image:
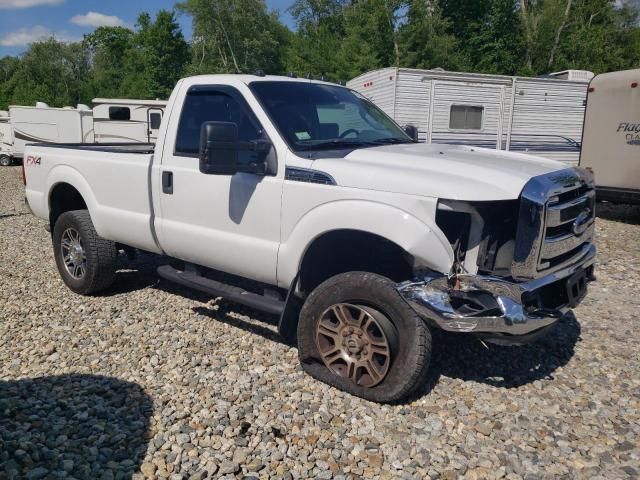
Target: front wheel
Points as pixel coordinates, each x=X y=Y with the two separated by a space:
x=5 y=161
x=86 y=262
x=358 y=334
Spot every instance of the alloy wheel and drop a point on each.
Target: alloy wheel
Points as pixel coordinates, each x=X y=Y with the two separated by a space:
x=73 y=253
x=353 y=341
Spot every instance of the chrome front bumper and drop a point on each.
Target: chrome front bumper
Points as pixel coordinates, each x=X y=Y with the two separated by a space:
x=500 y=307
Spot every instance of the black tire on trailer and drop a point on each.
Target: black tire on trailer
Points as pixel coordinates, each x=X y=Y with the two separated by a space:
x=5 y=161
x=357 y=333
x=86 y=262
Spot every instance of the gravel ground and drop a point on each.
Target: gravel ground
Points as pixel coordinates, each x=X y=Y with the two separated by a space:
x=152 y=380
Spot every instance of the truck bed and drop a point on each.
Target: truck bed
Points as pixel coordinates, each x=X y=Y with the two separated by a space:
x=141 y=148
x=114 y=180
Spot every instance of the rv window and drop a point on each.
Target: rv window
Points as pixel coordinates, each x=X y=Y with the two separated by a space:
x=155 y=119
x=119 y=113
x=466 y=117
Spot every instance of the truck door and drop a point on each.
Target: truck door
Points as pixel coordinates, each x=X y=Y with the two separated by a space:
x=226 y=222
x=466 y=113
x=154 y=119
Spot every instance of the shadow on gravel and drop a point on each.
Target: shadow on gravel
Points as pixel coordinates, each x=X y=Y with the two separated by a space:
x=137 y=274
x=223 y=313
x=223 y=317
x=9 y=215
x=78 y=426
x=466 y=358
x=619 y=213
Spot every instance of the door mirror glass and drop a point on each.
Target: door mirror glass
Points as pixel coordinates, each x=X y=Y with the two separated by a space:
x=219 y=148
x=412 y=131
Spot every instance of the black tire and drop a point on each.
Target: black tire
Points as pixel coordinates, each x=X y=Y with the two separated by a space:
x=101 y=254
x=5 y=161
x=410 y=339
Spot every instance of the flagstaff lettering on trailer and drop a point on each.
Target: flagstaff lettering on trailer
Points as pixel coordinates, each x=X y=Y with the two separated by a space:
x=631 y=132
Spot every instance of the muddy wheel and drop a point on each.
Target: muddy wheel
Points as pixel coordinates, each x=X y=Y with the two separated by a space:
x=358 y=334
x=5 y=161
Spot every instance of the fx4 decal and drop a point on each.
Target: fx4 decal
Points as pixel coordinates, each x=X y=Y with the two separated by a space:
x=31 y=160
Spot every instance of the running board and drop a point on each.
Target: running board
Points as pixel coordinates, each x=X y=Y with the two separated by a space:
x=218 y=289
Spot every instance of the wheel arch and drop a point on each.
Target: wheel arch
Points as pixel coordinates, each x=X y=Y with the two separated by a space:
x=402 y=238
x=68 y=190
x=420 y=239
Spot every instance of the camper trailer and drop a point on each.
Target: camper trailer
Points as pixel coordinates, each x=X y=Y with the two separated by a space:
x=611 y=140
x=541 y=116
x=124 y=120
x=45 y=124
x=6 y=139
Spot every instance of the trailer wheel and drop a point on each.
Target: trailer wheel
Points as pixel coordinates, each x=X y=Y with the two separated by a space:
x=358 y=334
x=86 y=262
x=5 y=160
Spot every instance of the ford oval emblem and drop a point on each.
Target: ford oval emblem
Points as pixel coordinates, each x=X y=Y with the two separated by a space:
x=581 y=223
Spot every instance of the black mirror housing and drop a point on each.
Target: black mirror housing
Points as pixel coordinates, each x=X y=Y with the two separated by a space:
x=219 y=148
x=412 y=131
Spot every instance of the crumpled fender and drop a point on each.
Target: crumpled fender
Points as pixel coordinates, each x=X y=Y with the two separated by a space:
x=421 y=238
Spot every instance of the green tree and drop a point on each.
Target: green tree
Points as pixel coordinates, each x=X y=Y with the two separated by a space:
x=50 y=71
x=426 y=41
x=117 y=63
x=235 y=36
x=319 y=36
x=165 y=52
x=371 y=36
x=8 y=67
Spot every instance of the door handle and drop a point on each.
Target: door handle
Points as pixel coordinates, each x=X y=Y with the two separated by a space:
x=167 y=183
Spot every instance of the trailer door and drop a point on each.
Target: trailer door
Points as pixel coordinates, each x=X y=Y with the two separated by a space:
x=466 y=113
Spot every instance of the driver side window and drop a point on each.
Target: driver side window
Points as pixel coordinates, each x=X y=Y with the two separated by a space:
x=212 y=106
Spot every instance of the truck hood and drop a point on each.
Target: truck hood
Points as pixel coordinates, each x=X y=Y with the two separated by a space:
x=441 y=171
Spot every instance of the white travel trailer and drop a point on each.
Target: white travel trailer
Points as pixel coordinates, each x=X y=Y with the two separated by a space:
x=611 y=140
x=45 y=124
x=6 y=139
x=542 y=116
x=124 y=120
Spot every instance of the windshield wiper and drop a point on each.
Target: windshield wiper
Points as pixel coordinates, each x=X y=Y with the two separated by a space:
x=337 y=143
x=391 y=141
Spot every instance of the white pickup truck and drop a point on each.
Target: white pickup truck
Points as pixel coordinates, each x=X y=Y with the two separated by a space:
x=302 y=199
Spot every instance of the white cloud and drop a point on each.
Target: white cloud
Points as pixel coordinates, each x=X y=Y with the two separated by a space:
x=17 y=4
x=95 y=19
x=26 y=36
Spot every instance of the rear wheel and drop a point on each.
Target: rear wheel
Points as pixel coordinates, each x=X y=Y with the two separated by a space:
x=86 y=262
x=5 y=160
x=358 y=334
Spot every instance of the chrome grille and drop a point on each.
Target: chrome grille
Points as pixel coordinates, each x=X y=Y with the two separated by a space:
x=556 y=223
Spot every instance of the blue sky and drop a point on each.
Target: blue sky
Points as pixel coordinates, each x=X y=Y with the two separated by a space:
x=23 y=21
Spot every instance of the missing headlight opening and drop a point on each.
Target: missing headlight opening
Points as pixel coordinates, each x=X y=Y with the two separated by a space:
x=482 y=234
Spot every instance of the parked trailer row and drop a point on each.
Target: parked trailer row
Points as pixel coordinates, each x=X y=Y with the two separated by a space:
x=542 y=116
x=110 y=121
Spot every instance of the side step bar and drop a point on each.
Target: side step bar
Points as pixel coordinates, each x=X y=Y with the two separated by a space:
x=192 y=280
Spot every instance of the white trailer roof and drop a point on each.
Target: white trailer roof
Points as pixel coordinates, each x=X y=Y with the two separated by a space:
x=481 y=77
x=129 y=101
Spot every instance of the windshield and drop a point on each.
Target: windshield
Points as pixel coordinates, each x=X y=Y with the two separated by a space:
x=313 y=116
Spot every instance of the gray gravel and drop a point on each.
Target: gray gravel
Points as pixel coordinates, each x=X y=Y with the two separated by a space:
x=151 y=380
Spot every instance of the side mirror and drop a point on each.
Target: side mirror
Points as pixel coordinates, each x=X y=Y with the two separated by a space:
x=219 y=148
x=412 y=131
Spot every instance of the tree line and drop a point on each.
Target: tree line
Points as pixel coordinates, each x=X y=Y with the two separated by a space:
x=337 y=39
